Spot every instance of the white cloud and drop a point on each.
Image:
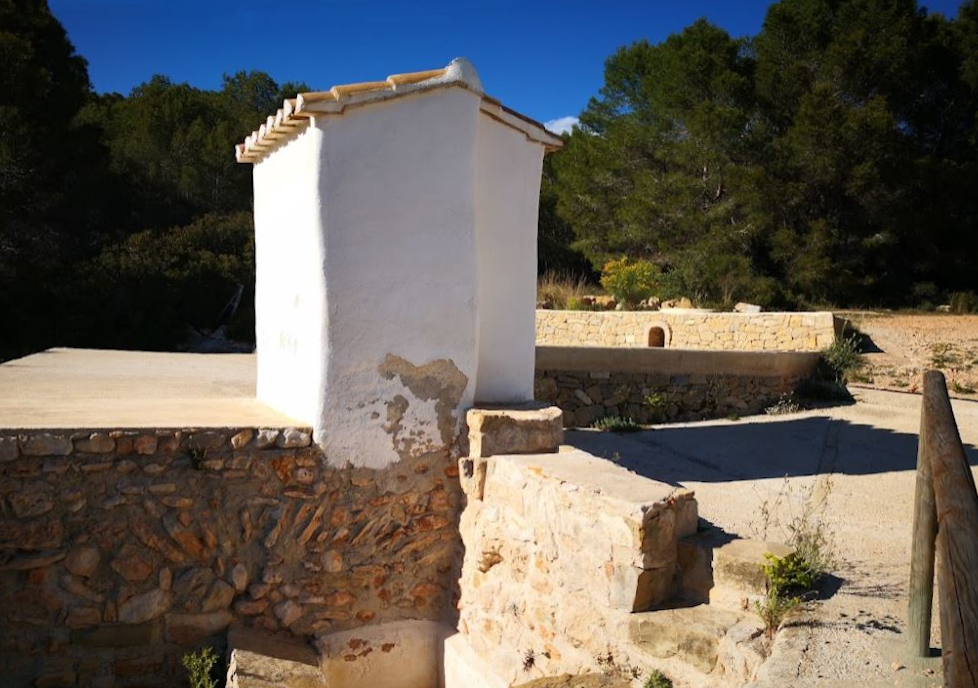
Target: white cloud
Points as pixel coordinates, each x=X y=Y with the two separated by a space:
x=561 y=125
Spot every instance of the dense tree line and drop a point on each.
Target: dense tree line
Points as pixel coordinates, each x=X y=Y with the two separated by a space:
x=124 y=220
x=830 y=159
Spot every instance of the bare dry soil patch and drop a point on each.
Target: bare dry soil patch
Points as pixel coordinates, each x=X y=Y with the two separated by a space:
x=905 y=345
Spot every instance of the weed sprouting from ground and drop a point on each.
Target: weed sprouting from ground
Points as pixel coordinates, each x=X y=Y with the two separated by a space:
x=774 y=609
x=196 y=456
x=785 y=405
x=803 y=528
x=658 y=680
x=611 y=666
x=199 y=665
x=616 y=424
x=960 y=388
x=943 y=355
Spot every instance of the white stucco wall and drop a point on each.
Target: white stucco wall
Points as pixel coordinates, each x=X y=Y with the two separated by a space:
x=400 y=266
x=396 y=270
x=507 y=195
x=290 y=287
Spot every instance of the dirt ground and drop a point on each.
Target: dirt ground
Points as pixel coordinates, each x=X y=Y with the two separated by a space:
x=902 y=346
x=851 y=467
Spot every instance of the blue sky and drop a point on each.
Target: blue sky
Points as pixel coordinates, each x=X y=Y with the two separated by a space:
x=544 y=59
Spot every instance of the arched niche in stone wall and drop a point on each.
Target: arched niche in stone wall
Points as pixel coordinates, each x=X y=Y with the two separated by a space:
x=658 y=335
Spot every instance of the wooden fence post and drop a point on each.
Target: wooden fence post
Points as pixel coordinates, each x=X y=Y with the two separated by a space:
x=957 y=540
x=924 y=541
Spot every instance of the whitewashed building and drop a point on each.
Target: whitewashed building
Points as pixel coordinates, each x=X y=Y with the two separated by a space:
x=395 y=228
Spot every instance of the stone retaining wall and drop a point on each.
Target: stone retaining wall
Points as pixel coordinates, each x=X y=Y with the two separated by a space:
x=560 y=550
x=659 y=385
x=683 y=329
x=120 y=551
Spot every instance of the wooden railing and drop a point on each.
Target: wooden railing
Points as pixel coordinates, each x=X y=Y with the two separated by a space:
x=945 y=524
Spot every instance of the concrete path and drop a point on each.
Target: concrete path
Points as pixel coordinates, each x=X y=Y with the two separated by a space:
x=856 y=465
x=88 y=388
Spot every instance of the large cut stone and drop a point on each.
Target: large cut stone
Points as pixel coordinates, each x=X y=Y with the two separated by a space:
x=740 y=564
x=514 y=431
x=692 y=634
x=259 y=661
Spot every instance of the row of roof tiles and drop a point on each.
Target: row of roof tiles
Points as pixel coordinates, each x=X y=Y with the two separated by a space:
x=295 y=113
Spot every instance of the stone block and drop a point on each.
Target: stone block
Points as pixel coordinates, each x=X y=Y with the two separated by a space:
x=8 y=449
x=266 y=438
x=206 y=440
x=261 y=661
x=145 y=607
x=514 y=431
x=146 y=444
x=690 y=634
x=687 y=514
x=293 y=438
x=740 y=564
x=45 y=444
x=96 y=443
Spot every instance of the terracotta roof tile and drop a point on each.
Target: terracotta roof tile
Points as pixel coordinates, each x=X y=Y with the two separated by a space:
x=295 y=113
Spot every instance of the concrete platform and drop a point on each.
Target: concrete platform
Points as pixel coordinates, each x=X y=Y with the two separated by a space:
x=89 y=388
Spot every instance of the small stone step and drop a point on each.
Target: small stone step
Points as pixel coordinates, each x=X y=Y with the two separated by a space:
x=725 y=573
x=738 y=572
x=257 y=660
x=690 y=634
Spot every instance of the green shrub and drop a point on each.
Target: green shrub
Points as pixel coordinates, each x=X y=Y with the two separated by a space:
x=658 y=680
x=630 y=281
x=964 y=302
x=789 y=574
x=199 y=665
x=843 y=357
x=616 y=424
x=657 y=403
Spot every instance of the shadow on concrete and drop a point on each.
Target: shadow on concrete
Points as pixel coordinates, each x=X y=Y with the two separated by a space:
x=725 y=452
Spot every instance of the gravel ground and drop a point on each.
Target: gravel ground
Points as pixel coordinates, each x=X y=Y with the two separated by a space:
x=903 y=346
x=857 y=462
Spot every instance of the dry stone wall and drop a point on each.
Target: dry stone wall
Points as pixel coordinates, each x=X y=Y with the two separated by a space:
x=120 y=551
x=660 y=385
x=688 y=329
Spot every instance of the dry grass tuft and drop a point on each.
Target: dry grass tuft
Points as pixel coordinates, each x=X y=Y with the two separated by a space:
x=561 y=292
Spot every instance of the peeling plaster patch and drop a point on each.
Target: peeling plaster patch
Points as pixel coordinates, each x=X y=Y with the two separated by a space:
x=438 y=381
